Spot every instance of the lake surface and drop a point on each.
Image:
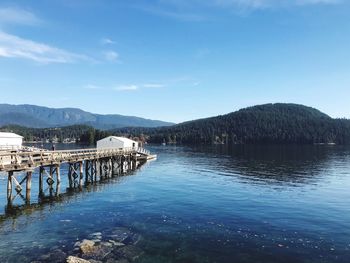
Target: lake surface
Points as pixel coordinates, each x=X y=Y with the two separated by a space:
x=201 y=204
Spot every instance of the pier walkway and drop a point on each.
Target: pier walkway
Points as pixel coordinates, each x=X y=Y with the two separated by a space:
x=85 y=166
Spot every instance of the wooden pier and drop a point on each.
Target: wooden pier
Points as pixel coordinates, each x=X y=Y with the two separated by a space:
x=85 y=166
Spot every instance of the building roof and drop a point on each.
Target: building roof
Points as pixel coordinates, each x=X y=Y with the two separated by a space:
x=123 y=139
x=9 y=135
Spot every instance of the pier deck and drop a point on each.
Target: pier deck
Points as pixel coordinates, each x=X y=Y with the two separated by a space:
x=94 y=163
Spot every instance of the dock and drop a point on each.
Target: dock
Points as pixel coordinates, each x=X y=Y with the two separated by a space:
x=85 y=166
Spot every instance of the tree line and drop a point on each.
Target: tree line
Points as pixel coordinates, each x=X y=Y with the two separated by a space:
x=270 y=123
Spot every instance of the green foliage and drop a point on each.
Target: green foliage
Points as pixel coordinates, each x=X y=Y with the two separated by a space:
x=59 y=134
x=269 y=123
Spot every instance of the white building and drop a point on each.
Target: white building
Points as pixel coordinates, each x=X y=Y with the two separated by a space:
x=10 y=141
x=116 y=143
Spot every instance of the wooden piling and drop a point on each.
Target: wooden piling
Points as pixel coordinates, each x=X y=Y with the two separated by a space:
x=41 y=175
x=9 y=185
x=58 y=174
x=94 y=167
x=87 y=171
x=28 y=186
x=81 y=170
x=112 y=166
x=51 y=176
x=98 y=163
x=70 y=176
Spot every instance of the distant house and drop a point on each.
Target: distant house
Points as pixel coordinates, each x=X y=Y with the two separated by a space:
x=116 y=143
x=10 y=141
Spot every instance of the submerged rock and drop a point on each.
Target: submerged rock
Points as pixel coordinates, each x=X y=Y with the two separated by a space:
x=124 y=235
x=133 y=239
x=117 y=246
x=72 y=259
x=115 y=243
x=87 y=246
x=96 y=236
x=129 y=252
x=101 y=252
x=112 y=260
x=55 y=256
x=94 y=261
x=120 y=234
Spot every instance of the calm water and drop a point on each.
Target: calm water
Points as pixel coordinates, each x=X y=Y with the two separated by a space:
x=206 y=204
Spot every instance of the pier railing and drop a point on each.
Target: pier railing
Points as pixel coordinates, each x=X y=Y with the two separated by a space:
x=143 y=151
x=85 y=166
x=27 y=160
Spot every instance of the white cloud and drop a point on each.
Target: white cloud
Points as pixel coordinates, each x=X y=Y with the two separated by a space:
x=107 y=41
x=111 y=55
x=11 y=15
x=127 y=88
x=12 y=46
x=153 y=85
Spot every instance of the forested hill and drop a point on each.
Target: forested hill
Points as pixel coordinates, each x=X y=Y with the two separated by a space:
x=269 y=123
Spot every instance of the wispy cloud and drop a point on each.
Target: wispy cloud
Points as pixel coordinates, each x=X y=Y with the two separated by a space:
x=199 y=10
x=107 y=41
x=153 y=85
x=111 y=56
x=176 y=82
x=12 y=46
x=127 y=88
x=12 y=15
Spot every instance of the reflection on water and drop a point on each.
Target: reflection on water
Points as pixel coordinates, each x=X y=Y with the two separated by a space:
x=202 y=204
x=52 y=200
x=271 y=164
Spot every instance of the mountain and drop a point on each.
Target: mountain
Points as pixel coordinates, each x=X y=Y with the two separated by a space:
x=268 y=123
x=43 y=117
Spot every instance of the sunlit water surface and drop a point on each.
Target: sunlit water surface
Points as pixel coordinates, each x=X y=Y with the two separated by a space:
x=204 y=204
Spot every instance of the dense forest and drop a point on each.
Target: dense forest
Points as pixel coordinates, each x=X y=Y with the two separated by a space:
x=61 y=134
x=269 y=123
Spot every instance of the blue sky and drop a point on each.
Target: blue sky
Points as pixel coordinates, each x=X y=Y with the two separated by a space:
x=175 y=60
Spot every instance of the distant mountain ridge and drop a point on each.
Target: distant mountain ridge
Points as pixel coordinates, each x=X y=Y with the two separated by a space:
x=43 y=117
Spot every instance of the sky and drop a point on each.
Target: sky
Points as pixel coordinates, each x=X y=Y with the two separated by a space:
x=175 y=60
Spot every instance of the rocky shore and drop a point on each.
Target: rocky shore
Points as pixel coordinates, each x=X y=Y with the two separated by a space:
x=120 y=245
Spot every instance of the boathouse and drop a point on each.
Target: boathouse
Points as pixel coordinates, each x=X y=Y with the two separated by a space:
x=116 y=143
x=10 y=141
